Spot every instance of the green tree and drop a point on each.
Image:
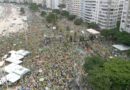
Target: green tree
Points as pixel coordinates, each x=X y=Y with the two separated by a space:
x=22 y=10
x=57 y=11
x=110 y=34
x=43 y=13
x=52 y=18
x=123 y=37
x=93 y=25
x=78 y=21
x=61 y=6
x=128 y=53
x=113 y=75
x=92 y=62
x=71 y=17
x=34 y=7
x=118 y=25
x=65 y=13
x=117 y=36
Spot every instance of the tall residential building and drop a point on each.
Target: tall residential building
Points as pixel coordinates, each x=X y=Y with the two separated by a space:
x=53 y=4
x=108 y=14
x=125 y=19
x=74 y=6
x=48 y=3
x=120 y=3
x=103 y=12
x=24 y=1
x=89 y=10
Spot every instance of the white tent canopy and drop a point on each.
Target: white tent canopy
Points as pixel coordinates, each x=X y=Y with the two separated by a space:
x=15 y=71
x=16 y=56
x=12 y=60
x=11 y=77
x=22 y=52
x=92 y=31
x=14 y=68
x=21 y=70
x=121 y=47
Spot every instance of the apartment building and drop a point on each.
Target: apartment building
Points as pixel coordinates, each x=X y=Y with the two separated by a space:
x=108 y=14
x=24 y=1
x=53 y=4
x=120 y=3
x=89 y=10
x=103 y=12
x=16 y=1
x=74 y=7
x=48 y=3
x=125 y=19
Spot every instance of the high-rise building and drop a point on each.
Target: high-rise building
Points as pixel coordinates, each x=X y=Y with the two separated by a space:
x=74 y=6
x=53 y=4
x=108 y=14
x=89 y=10
x=48 y=3
x=24 y=1
x=103 y=12
x=120 y=3
x=125 y=19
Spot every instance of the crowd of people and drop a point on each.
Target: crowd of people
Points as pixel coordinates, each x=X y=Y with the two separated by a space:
x=55 y=68
x=57 y=64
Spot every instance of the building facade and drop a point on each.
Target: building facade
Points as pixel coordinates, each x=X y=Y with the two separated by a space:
x=108 y=14
x=74 y=7
x=125 y=19
x=103 y=12
x=89 y=10
x=120 y=3
x=53 y=4
x=24 y=1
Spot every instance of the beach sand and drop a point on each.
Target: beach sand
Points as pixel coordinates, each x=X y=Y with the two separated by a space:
x=10 y=19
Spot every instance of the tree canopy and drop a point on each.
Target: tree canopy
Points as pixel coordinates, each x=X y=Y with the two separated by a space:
x=113 y=74
x=78 y=21
x=123 y=37
x=92 y=62
x=93 y=25
x=34 y=7
x=65 y=13
x=51 y=18
x=43 y=13
x=22 y=10
x=57 y=11
x=117 y=36
x=71 y=17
